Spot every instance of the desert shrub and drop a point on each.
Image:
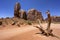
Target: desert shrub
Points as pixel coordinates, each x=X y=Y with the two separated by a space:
x=29 y=22
x=0 y=22
x=18 y=25
x=21 y=23
x=14 y=23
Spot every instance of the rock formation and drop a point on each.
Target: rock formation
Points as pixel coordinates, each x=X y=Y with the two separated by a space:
x=34 y=15
x=19 y=13
x=17 y=7
x=23 y=14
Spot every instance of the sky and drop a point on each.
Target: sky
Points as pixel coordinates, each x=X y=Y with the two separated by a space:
x=7 y=7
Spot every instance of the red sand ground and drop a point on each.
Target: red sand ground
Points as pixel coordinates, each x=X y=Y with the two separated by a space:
x=27 y=33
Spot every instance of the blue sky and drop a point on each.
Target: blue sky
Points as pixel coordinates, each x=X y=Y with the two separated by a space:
x=7 y=6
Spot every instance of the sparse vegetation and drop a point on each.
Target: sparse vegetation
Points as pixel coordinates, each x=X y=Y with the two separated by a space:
x=18 y=25
x=29 y=22
x=13 y=23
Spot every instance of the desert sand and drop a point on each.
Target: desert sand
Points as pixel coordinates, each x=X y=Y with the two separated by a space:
x=27 y=32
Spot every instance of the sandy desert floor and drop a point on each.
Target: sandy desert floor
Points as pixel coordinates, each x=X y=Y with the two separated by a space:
x=27 y=32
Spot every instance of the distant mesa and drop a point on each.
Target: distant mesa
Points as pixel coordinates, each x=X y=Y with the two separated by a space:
x=54 y=19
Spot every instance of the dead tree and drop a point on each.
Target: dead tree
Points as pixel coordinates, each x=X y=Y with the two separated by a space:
x=48 y=31
x=49 y=22
x=49 y=19
x=45 y=32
